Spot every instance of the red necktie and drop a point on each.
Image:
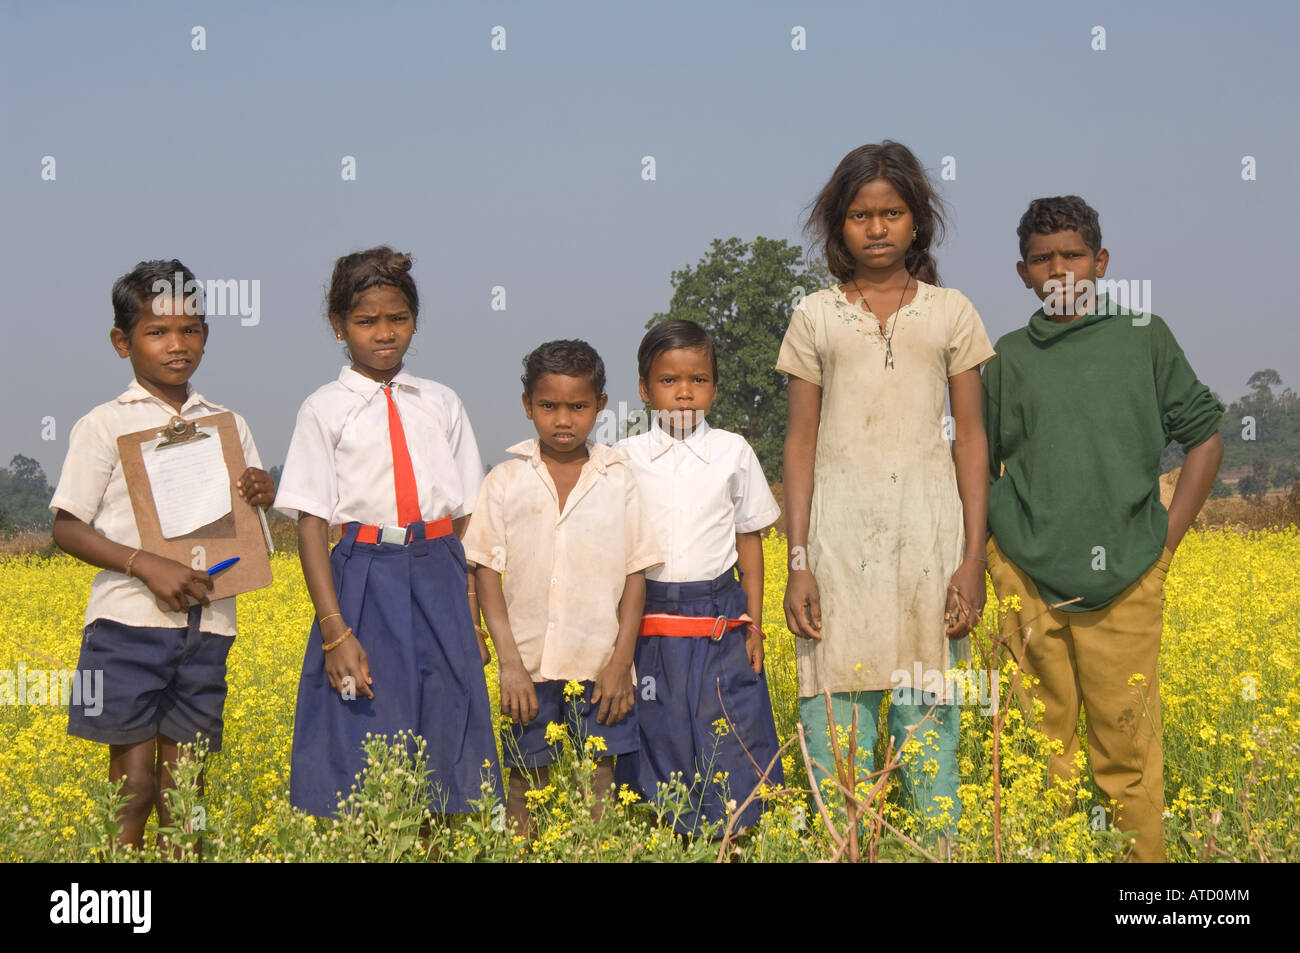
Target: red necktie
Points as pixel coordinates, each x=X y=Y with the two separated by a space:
x=408 y=498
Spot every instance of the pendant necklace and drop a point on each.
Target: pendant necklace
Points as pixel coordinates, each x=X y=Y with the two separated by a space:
x=889 y=345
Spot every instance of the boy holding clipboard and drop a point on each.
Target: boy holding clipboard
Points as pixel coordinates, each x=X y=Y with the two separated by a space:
x=163 y=659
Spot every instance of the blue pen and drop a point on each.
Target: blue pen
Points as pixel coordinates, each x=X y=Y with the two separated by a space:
x=224 y=564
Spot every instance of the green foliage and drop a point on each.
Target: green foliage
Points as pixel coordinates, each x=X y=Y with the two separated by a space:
x=1254 y=485
x=1220 y=490
x=743 y=294
x=1285 y=474
x=24 y=497
x=1276 y=427
x=1274 y=436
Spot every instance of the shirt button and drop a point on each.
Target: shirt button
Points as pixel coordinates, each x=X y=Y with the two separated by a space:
x=554 y=581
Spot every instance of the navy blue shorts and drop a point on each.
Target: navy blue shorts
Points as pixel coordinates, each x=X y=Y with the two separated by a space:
x=525 y=745
x=156 y=681
x=684 y=685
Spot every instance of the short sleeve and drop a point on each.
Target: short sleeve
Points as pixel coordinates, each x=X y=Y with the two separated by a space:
x=251 y=457
x=1189 y=413
x=92 y=455
x=756 y=507
x=485 y=539
x=308 y=483
x=798 y=356
x=464 y=450
x=639 y=535
x=968 y=343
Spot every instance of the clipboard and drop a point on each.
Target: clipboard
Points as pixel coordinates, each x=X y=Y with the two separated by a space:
x=240 y=532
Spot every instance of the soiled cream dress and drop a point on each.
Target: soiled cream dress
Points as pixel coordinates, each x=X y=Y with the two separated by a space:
x=886 y=531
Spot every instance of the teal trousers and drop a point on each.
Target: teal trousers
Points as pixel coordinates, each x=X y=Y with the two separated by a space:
x=927 y=779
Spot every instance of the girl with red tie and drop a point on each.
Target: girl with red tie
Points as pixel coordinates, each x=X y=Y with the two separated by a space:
x=392 y=458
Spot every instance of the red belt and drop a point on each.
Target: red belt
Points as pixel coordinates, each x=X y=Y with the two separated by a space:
x=434 y=530
x=660 y=623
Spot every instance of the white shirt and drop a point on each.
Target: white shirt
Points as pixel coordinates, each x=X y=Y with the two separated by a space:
x=700 y=492
x=340 y=461
x=564 y=572
x=92 y=487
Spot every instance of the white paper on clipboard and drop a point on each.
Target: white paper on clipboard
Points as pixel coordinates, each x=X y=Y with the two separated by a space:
x=189 y=483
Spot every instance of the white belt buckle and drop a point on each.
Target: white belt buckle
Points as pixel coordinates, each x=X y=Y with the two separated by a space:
x=392 y=534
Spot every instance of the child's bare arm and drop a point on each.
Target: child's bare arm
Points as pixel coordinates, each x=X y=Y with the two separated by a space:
x=1194 y=484
x=459 y=526
x=173 y=583
x=348 y=659
x=749 y=556
x=615 y=690
x=803 y=609
x=518 y=696
x=965 y=599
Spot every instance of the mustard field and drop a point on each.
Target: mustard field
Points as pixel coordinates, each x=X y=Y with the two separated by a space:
x=1229 y=679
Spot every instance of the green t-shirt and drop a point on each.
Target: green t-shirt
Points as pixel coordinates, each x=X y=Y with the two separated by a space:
x=1079 y=414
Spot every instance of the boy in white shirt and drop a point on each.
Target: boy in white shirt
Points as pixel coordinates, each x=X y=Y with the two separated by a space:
x=562 y=520
x=162 y=660
x=701 y=645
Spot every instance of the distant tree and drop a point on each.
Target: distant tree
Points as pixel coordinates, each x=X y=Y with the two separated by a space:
x=25 y=494
x=1254 y=485
x=1220 y=490
x=7 y=527
x=274 y=474
x=1263 y=425
x=744 y=294
x=1263 y=382
x=1285 y=475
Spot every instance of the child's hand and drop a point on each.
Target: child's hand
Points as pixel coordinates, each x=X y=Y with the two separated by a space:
x=754 y=648
x=256 y=487
x=173 y=583
x=966 y=596
x=483 y=652
x=347 y=660
x=803 y=604
x=518 y=696
x=616 y=693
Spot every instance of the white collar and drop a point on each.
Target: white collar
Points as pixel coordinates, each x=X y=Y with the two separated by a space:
x=661 y=441
x=367 y=387
x=135 y=392
x=598 y=455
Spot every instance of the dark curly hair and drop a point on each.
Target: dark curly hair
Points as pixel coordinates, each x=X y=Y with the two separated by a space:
x=570 y=358
x=893 y=162
x=363 y=270
x=1063 y=213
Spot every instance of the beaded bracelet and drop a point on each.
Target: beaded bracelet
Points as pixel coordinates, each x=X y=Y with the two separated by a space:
x=330 y=646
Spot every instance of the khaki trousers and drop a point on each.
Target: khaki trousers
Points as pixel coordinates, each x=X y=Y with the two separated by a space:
x=1090 y=658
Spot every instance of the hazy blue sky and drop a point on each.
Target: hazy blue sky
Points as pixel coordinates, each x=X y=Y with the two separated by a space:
x=522 y=168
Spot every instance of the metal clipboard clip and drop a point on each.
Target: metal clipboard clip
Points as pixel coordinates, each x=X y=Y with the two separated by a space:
x=177 y=432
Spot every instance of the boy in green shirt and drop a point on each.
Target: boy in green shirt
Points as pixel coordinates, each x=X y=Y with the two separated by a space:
x=1078 y=406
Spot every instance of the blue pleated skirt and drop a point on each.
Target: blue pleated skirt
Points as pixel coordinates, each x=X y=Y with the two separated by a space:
x=680 y=709
x=407 y=607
